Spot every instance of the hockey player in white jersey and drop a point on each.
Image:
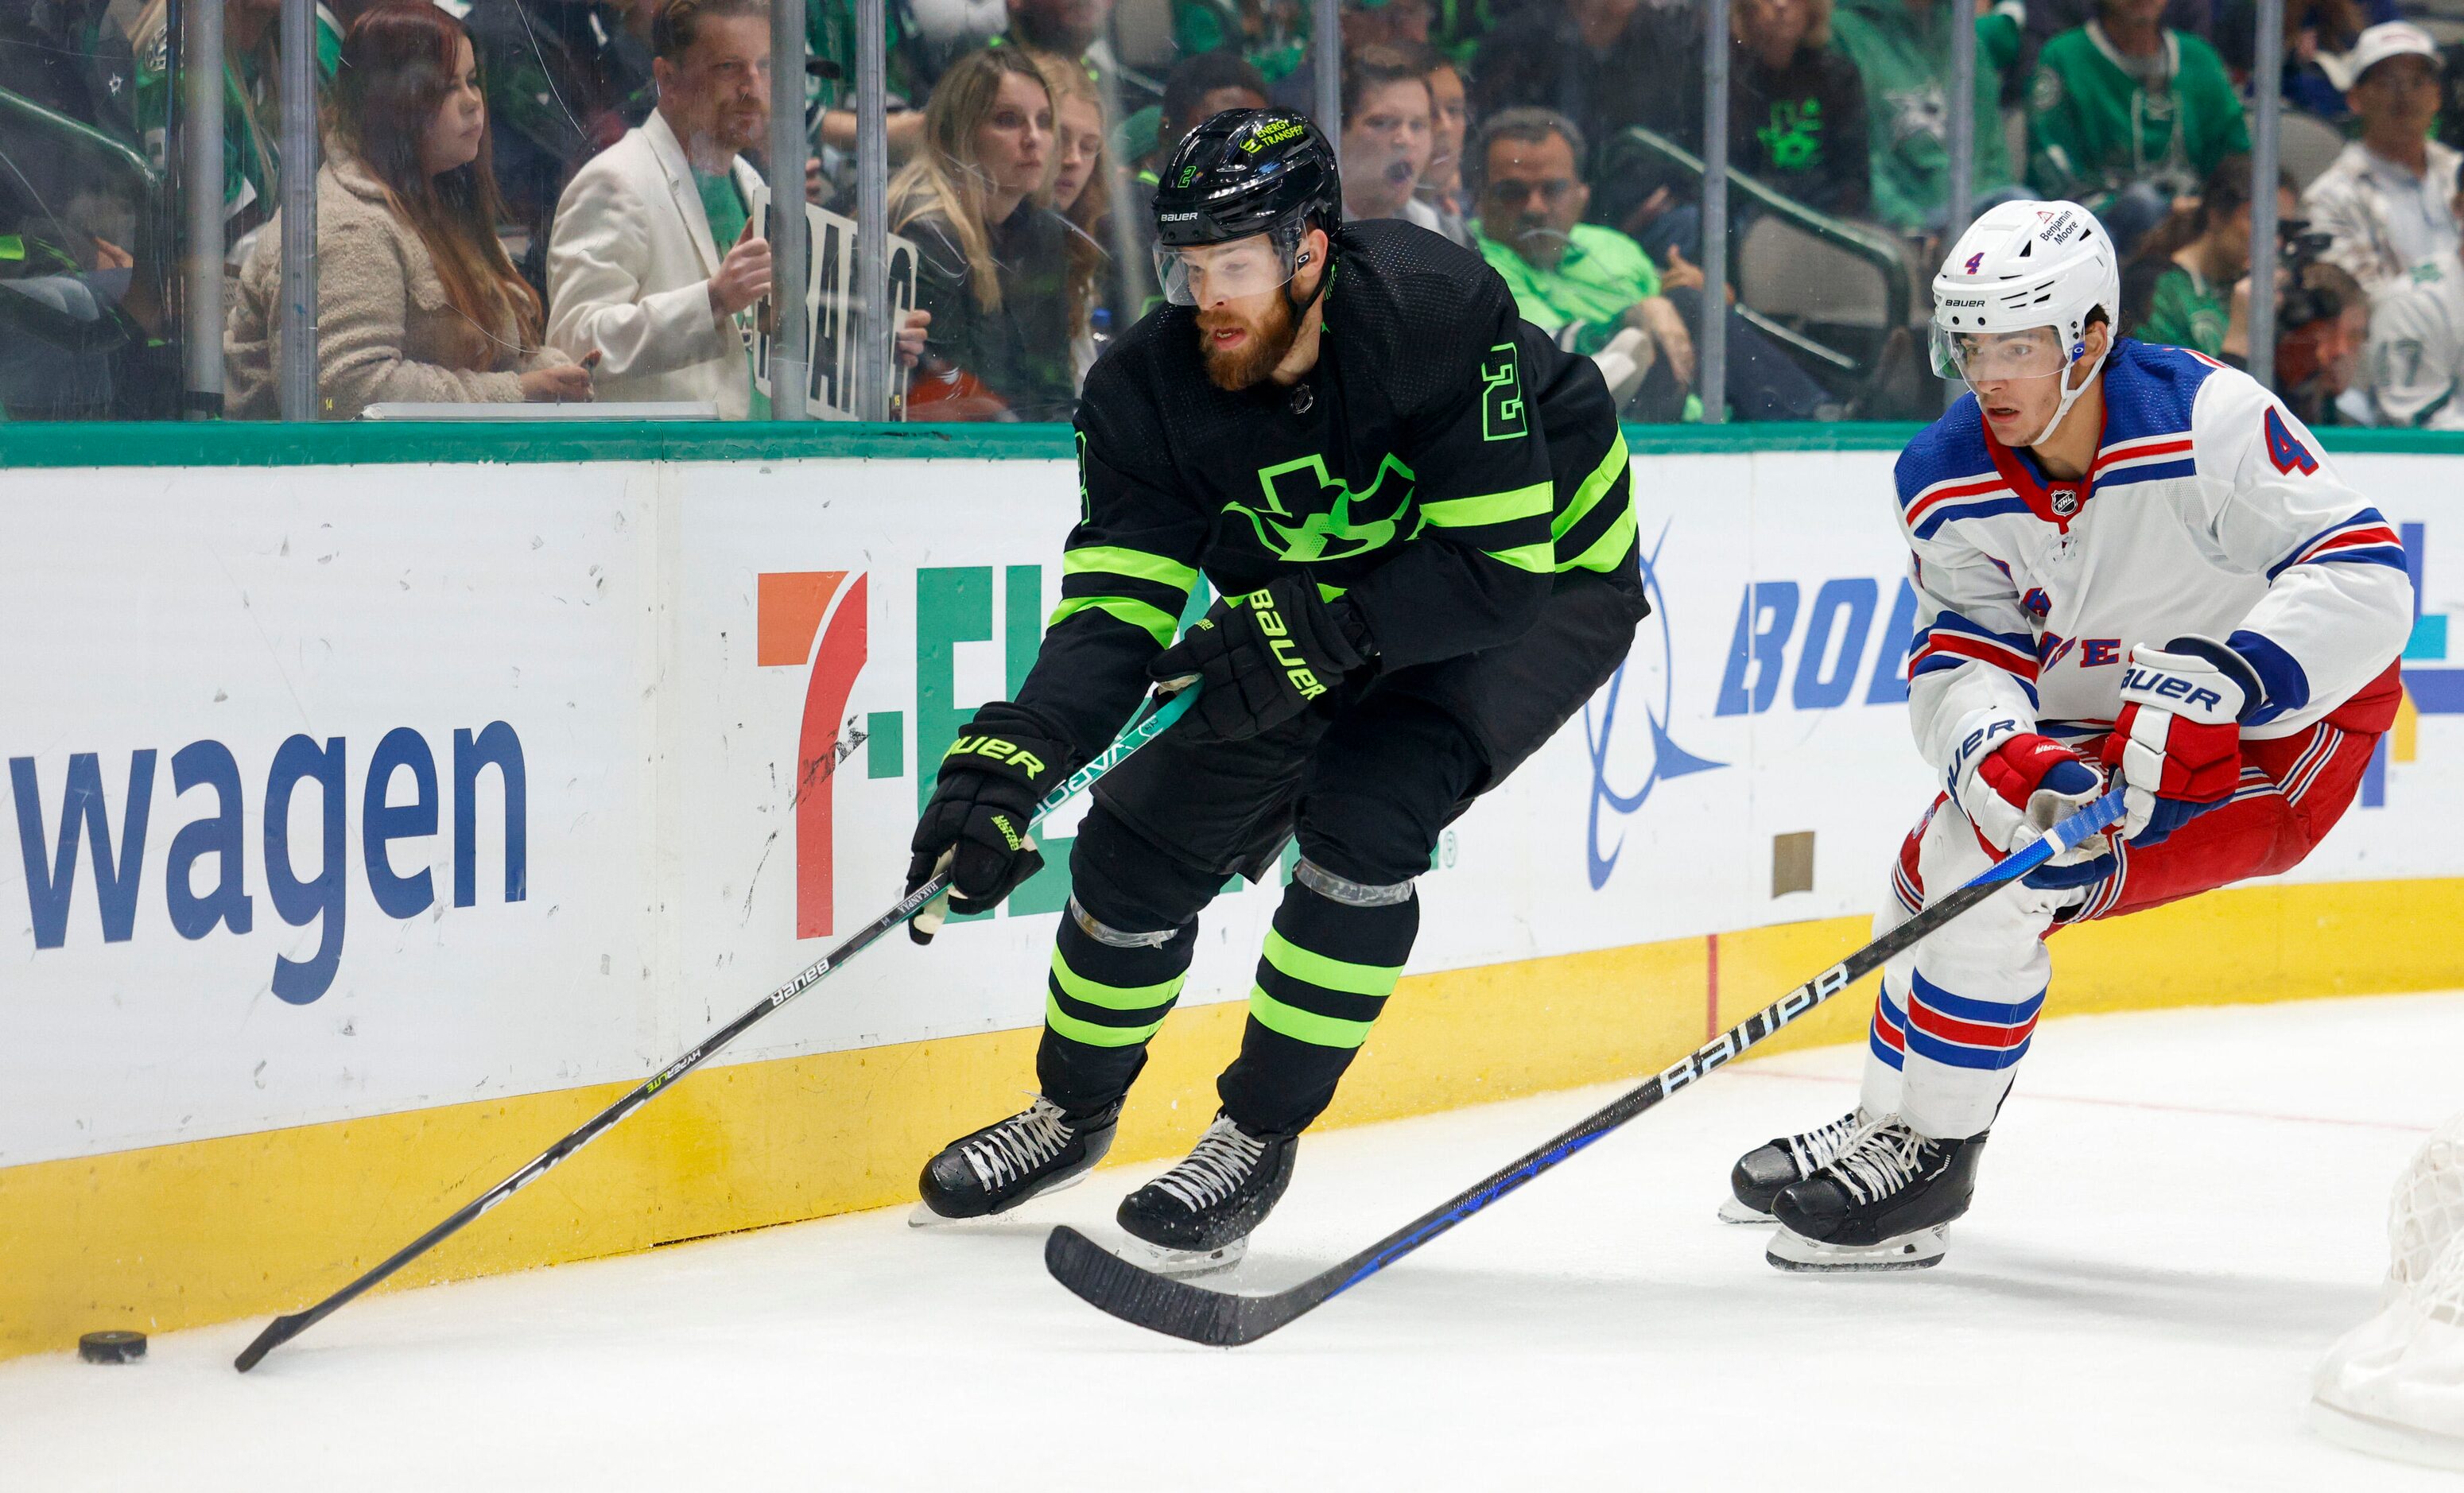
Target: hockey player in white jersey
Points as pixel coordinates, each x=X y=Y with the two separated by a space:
x=2133 y=565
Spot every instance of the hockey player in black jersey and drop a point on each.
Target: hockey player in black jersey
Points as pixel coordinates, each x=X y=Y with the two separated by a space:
x=1415 y=510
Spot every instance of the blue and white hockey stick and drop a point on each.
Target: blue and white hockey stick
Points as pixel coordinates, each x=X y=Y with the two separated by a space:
x=1222 y=1319
x=282 y=1329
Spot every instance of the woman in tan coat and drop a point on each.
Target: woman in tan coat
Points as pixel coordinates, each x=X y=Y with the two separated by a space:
x=416 y=298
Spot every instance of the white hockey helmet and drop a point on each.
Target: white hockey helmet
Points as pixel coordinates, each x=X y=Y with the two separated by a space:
x=2021 y=266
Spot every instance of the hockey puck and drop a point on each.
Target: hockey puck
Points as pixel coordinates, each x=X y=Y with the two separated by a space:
x=112 y=1347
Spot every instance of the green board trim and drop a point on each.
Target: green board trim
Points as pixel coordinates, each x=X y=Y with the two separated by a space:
x=251 y=444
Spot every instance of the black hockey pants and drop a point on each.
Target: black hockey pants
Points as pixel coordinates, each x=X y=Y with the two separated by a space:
x=1367 y=781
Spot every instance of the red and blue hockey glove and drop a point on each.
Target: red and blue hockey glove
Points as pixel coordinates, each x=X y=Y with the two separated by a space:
x=1262 y=658
x=2015 y=784
x=975 y=823
x=2177 y=742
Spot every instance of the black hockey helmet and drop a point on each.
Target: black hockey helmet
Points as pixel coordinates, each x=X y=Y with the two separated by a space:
x=1249 y=171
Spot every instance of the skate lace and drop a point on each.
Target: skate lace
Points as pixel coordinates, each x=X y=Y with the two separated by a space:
x=1018 y=1143
x=1881 y=1160
x=1813 y=1150
x=1215 y=1170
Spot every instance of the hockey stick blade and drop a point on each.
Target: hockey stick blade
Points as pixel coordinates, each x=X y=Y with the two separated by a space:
x=282 y=1329
x=1226 y=1318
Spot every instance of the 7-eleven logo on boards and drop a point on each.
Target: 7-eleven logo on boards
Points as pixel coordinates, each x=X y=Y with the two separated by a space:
x=815 y=619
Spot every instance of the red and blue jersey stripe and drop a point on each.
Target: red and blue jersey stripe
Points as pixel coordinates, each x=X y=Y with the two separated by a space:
x=2365 y=538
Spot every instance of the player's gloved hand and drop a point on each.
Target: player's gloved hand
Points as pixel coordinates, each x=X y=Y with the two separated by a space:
x=2015 y=784
x=2177 y=742
x=1262 y=658
x=991 y=779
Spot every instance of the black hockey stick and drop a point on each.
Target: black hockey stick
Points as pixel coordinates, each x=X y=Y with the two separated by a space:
x=282 y=1329
x=1222 y=1319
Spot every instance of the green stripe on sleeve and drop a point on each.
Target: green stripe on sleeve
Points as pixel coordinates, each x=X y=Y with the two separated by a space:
x=1463 y=513
x=1316 y=969
x=1092 y=1035
x=1609 y=549
x=1587 y=496
x=1318 y=1031
x=1540 y=558
x=1112 y=559
x=1113 y=997
x=1154 y=620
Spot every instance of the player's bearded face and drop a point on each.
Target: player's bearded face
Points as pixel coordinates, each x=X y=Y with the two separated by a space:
x=1242 y=341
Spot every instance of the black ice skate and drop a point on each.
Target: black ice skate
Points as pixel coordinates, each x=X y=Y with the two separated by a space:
x=1882 y=1204
x=1196 y=1216
x=1761 y=1172
x=1038 y=1149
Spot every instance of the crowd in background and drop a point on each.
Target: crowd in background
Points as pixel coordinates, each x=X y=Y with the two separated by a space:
x=556 y=199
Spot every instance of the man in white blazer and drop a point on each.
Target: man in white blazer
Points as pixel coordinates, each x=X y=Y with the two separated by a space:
x=636 y=272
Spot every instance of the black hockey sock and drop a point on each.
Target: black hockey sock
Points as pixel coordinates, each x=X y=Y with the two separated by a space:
x=1326 y=973
x=1102 y=1002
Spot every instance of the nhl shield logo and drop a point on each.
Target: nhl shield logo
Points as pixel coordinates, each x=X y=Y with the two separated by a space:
x=2065 y=502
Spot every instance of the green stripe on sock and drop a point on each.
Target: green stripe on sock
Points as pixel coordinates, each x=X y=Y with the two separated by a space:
x=1114 y=997
x=1587 y=496
x=1114 y=560
x=1462 y=512
x=1318 y=1031
x=1092 y=1035
x=1316 y=969
x=1153 y=621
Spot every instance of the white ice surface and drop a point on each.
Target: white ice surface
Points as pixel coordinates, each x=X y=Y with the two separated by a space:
x=2179 y=1210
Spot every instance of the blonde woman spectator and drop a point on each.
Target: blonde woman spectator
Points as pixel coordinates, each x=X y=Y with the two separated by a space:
x=416 y=299
x=993 y=261
x=1082 y=195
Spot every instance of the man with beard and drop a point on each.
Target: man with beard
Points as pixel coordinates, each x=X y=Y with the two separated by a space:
x=1416 y=510
x=654 y=255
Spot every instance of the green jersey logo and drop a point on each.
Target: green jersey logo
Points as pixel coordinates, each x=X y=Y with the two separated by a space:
x=1309 y=515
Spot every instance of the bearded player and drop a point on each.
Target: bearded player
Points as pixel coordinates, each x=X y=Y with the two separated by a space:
x=1415 y=512
x=2134 y=566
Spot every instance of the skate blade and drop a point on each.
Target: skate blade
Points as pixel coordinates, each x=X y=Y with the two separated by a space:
x=1794 y=1252
x=1731 y=1211
x=922 y=1216
x=1185 y=1263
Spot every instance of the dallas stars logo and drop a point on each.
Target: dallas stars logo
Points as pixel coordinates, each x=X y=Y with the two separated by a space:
x=1309 y=515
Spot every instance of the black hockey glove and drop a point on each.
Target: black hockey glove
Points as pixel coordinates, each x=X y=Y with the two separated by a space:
x=991 y=779
x=1262 y=658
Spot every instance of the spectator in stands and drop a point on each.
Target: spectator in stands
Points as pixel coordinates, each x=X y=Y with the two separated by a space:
x=76 y=308
x=565 y=80
x=1902 y=48
x=2385 y=202
x=1605 y=65
x=416 y=299
x=2188 y=285
x=1364 y=24
x=2416 y=344
x=252 y=102
x=1586 y=284
x=655 y=255
x=2316 y=34
x=1385 y=136
x=910 y=67
x=2324 y=317
x=1796 y=107
x=2124 y=115
x=2047 y=19
x=992 y=256
x=1081 y=197
x=1441 y=187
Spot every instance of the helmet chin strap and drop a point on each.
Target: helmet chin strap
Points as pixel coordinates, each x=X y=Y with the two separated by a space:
x=2070 y=396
